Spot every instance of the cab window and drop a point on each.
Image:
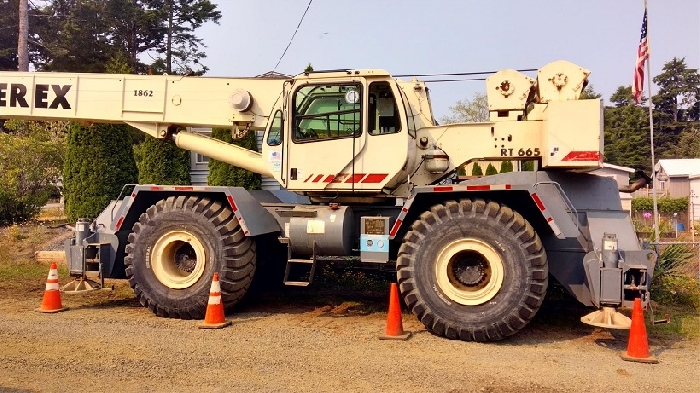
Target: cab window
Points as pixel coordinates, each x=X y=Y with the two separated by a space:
x=383 y=112
x=326 y=112
x=274 y=135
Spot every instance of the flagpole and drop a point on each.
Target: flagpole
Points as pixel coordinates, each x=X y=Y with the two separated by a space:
x=651 y=132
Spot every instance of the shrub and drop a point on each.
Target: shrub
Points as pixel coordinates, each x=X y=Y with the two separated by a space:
x=506 y=166
x=223 y=174
x=476 y=170
x=29 y=172
x=665 y=204
x=527 y=166
x=491 y=170
x=99 y=162
x=161 y=162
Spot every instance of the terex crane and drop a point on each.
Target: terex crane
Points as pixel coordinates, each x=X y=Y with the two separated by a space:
x=374 y=177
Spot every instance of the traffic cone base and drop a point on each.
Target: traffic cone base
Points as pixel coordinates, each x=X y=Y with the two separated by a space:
x=651 y=359
x=51 y=302
x=394 y=324
x=214 y=317
x=638 y=346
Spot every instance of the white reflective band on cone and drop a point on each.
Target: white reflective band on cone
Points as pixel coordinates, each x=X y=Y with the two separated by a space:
x=215 y=299
x=52 y=286
x=215 y=287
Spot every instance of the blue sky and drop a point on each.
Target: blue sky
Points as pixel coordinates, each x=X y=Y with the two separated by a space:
x=448 y=36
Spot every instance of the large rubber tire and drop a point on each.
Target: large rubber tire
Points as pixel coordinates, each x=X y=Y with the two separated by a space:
x=473 y=270
x=176 y=247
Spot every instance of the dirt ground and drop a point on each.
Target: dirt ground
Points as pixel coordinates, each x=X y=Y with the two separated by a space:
x=299 y=339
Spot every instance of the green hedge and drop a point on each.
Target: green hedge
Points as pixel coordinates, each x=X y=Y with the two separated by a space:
x=99 y=162
x=161 y=162
x=665 y=204
x=222 y=174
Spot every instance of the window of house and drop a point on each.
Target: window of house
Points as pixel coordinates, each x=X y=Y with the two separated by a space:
x=327 y=112
x=200 y=159
x=662 y=184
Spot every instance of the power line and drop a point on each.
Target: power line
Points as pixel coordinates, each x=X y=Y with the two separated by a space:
x=461 y=73
x=295 y=33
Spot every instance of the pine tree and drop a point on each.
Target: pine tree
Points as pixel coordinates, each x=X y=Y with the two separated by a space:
x=527 y=166
x=491 y=170
x=222 y=174
x=161 y=162
x=476 y=170
x=99 y=162
x=506 y=166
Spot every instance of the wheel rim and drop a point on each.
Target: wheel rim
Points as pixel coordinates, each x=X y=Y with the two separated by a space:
x=469 y=272
x=177 y=259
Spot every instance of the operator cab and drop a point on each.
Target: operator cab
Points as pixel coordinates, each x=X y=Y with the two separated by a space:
x=338 y=133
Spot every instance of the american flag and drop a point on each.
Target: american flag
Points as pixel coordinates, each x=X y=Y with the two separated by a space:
x=642 y=56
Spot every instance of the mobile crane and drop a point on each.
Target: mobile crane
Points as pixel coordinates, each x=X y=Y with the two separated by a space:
x=372 y=174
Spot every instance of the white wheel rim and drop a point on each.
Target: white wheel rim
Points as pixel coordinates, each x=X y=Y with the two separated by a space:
x=164 y=262
x=485 y=266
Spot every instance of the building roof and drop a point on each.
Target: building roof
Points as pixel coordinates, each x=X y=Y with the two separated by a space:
x=619 y=168
x=680 y=167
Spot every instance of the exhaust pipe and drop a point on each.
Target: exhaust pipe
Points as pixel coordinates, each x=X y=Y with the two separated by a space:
x=643 y=181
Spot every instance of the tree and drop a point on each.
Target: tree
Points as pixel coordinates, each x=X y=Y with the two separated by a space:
x=589 y=93
x=99 y=162
x=527 y=166
x=182 y=48
x=491 y=170
x=476 y=170
x=474 y=110
x=506 y=166
x=223 y=174
x=679 y=91
x=31 y=156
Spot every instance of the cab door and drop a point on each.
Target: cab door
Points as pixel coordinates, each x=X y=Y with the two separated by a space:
x=325 y=136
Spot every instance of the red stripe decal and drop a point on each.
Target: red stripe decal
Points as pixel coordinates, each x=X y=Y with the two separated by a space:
x=403 y=209
x=582 y=156
x=133 y=195
x=328 y=179
x=483 y=187
x=507 y=186
x=443 y=188
x=120 y=221
x=317 y=179
x=177 y=188
x=396 y=227
x=232 y=203
x=355 y=178
x=375 y=178
x=538 y=202
x=550 y=219
x=156 y=188
x=307 y=179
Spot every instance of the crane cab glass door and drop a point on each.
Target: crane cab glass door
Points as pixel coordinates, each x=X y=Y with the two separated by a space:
x=328 y=148
x=326 y=134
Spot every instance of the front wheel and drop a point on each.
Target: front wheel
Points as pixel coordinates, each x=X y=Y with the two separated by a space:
x=472 y=270
x=176 y=247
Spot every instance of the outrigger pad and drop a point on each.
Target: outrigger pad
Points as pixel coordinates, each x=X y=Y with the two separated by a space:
x=607 y=318
x=80 y=286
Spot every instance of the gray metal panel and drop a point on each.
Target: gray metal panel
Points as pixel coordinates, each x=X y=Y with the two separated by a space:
x=257 y=219
x=600 y=222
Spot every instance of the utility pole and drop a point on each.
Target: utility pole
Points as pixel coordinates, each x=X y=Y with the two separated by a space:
x=23 y=37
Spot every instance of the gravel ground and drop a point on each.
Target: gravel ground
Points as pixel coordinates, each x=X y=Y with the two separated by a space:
x=299 y=344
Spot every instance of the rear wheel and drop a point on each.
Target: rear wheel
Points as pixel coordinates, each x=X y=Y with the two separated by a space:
x=176 y=247
x=472 y=270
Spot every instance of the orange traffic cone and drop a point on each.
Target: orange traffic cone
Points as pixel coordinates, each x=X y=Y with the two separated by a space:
x=52 y=297
x=638 y=347
x=214 y=317
x=394 y=324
